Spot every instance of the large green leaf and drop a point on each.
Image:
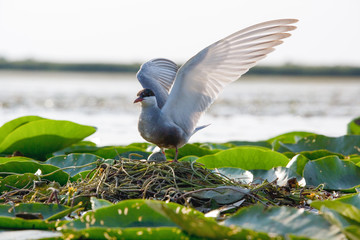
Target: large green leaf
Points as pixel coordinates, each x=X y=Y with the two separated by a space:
x=334 y=173
x=345 y=145
x=189 y=158
x=215 y=146
x=290 y=137
x=247 y=143
x=297 y=164
x=24 y=234
x=312 y=155
x=73 y=161
x=245 y=158
x=80 y=147
x=10 y=215
x=39 y=138
x=143 y=145
x=335 y=217
x=131 y=218
x=196 y=224
x=32 y=167
x=285 y=221
x=99 y=203
x=46 y=210
x=15 y=159
x=19 y=223
x=191 y=149
x=348 y=206
x=354 y=127
x=10 y=126
x=345 y=223
x=133 y=233
x=128 y=213
x=355 y=159
x=116 y=152
x=352 y=232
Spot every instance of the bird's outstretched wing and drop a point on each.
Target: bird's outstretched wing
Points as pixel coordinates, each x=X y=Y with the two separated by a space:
x=158 y=75
x=199 y=81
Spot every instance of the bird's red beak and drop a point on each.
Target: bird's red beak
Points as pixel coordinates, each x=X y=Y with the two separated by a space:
x=139 y=99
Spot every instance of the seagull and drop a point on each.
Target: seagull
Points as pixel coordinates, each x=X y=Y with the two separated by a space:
x=173 y=99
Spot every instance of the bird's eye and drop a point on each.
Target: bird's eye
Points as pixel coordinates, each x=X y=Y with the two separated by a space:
x=148 y=93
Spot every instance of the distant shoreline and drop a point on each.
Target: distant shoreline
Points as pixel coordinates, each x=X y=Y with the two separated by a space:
x=287 y=69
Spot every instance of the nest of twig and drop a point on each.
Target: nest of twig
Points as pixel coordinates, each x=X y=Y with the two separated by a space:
x=129 y=179
x=168 y=181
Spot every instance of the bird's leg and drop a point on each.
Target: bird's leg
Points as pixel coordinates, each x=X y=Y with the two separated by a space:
x=176 y=154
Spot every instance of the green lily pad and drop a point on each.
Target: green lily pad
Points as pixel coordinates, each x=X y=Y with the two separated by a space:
x=10 y=126
x=19 y=223
x=297 y=164
x=125 y=214
x=97 y=203
x=10 y=215
x=285 y=221
x=24 y=234
x=73 y=161
x=345 y=145
x=15 y=159
x=348 y=206
x=80 y=147
x=246 y=158
x=196 y=224
x=334 y=173
x=188 y=158
x=355 y=160
x=32 y=167
x=312 y=155
x=38 y=138
x=248 y=143
x=119 y=151
x=352 y=232
x=335 y=217
x=190 y=149
x=354 y=127
x=215 y=146
x=143 y=145
x=134 y=233
x=290 y=137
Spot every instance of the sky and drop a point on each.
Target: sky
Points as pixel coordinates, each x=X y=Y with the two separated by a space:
x=113 y=31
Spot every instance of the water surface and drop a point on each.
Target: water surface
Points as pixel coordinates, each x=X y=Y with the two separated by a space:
x=253 y=108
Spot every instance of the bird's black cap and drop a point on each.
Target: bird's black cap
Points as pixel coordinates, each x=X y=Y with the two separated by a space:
x=145 y=93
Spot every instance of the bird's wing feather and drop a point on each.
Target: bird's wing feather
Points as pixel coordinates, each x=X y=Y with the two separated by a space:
x=200 y=80
x=158 y=75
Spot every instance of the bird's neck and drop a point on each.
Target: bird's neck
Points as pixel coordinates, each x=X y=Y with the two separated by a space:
x=150 y=109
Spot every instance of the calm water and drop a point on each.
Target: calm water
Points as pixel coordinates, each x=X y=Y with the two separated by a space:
x=253 y=108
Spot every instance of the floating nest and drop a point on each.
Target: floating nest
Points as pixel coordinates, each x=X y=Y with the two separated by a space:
x=133 y=179
x=180 y=182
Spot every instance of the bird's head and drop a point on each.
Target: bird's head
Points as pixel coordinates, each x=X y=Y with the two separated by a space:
x=146 y=97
